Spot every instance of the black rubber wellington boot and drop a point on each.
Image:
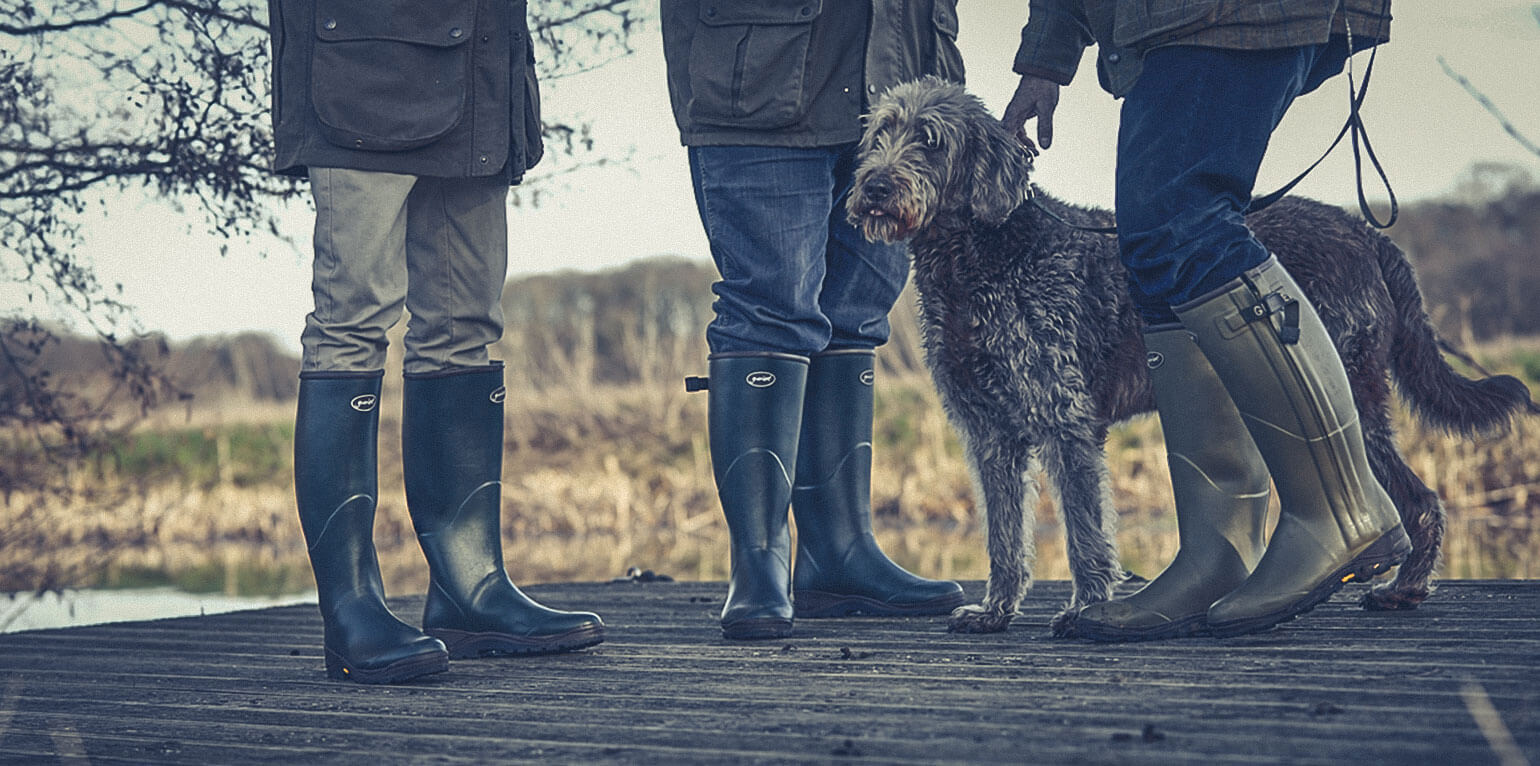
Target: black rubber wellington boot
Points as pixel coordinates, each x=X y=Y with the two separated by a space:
x=336 y=432
x=1336 y=523
x=839 y=569
x=452 y=447
x=754 y=414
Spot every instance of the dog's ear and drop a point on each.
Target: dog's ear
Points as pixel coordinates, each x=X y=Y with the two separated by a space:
x=1002 y=170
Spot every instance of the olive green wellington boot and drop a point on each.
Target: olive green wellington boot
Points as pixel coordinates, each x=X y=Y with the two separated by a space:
x=1337 y=524
x=1221 y=489
x=452 y=450
x=336 y=434
x=839 y=568
x=754 y=413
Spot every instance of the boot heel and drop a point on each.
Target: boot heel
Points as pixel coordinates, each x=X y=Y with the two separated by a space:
x=336 y=669
x=756 y=629
x=1390 y=550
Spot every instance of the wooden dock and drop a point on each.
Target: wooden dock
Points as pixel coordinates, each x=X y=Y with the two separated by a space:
x=1457 y=681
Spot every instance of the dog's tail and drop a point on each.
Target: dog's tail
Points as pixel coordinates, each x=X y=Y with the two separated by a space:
x=1437 y=394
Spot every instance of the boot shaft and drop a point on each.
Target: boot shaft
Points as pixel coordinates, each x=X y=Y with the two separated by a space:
x=1268 y=345
x=754 y=418
x=832 y=496
x=452 y=450
x=336 y=430
x=1219 y=480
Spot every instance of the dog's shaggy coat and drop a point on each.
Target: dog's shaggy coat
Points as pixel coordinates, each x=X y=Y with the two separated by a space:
x=1036 y=349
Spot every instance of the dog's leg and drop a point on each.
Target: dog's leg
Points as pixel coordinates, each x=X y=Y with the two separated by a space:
x=1077 y=466
x=1001 y=469
x=1422 y=514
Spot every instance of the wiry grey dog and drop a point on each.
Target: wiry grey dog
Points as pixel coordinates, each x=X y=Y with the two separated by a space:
x=1036 y=348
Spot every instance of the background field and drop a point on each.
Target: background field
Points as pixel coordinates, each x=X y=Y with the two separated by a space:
x=606 y=463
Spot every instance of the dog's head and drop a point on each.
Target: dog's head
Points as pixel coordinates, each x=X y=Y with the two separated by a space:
x=930 y=148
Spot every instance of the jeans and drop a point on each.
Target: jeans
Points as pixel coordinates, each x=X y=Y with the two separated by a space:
x=1192 y=135
x=796 y=277
x=383 y=241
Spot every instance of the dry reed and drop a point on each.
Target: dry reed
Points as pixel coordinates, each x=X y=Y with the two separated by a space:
x=598 y=479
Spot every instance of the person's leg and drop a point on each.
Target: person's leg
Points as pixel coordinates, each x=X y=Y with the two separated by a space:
x=358 y=285
x=1191 y=137
x=765 y=211
x=359 y=274
x=1193 y=134
x=840 y=569
x=457 y=262
x=766 y=215
x=452 y=427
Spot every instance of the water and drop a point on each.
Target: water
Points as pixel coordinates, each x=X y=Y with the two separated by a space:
x=29 y=611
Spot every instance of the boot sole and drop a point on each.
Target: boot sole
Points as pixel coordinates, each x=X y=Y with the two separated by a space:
x=756 y=629
x=816 y=604
x=465 y=645
x=1391 y=549
x=1187 y=627
x=406 y=669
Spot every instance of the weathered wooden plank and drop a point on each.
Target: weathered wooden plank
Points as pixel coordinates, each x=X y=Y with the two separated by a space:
x=1339 y=685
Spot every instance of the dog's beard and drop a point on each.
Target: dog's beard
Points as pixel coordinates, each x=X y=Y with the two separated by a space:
x=891 y=221
x=879 y=226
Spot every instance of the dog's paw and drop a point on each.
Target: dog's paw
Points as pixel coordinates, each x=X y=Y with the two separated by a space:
x=1063 y=623
x=1390 y=597
x=977 y=618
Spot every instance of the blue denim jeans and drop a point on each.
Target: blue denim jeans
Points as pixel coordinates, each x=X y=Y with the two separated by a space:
x=1192 y=135
x=796 y=278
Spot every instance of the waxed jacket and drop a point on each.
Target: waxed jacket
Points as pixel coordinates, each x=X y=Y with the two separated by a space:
x=797 y=72
x=443 y=89
x=1058 y=31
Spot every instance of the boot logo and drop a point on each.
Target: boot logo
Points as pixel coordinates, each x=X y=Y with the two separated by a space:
x=760 y=379
x=363 y=402
x=1154 y=360
x=498 y=395
x=867 y=376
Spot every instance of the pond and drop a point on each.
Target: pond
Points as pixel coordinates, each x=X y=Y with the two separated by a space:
x=90 y=606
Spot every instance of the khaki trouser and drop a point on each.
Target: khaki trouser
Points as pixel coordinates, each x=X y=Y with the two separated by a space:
x=437 y=246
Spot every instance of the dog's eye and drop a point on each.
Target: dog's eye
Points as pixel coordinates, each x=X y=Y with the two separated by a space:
x=932 y=141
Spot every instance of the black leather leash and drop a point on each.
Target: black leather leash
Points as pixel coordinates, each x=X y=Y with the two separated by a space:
x=1354 y=125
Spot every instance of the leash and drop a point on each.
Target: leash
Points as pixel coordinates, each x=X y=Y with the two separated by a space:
x=1354 y=126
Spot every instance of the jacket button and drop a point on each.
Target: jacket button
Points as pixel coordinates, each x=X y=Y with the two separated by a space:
x=871 y=89
x=711 y=12
x=806 y=11
x=457 y=33
x=330 y=24
x=358 y=142
x=483 y=159
x=1113 y=58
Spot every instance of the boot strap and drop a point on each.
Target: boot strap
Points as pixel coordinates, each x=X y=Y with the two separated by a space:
x=1273 y=303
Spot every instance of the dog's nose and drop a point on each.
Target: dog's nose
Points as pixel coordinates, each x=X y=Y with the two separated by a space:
x=878 y=189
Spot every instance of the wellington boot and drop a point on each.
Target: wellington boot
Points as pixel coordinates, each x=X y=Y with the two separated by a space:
x=1221 y=490
x=335 y=440
x=754 y=413
x=452 y=447
x=1337 y=524
x=839 y=569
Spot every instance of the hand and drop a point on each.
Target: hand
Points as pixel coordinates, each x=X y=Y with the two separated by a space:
x=1035 y=97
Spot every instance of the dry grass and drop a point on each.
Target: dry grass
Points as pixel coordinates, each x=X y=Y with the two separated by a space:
x=599 y=479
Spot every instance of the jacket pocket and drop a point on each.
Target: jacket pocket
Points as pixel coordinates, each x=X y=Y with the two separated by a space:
x=748 y=62
x=949 y=60
x=390 y=75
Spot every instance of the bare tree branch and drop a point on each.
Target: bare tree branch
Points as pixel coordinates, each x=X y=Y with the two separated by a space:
x=168 y=97
x=1486 y=103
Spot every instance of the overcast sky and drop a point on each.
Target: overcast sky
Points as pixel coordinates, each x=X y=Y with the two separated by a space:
x=1427 y=132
